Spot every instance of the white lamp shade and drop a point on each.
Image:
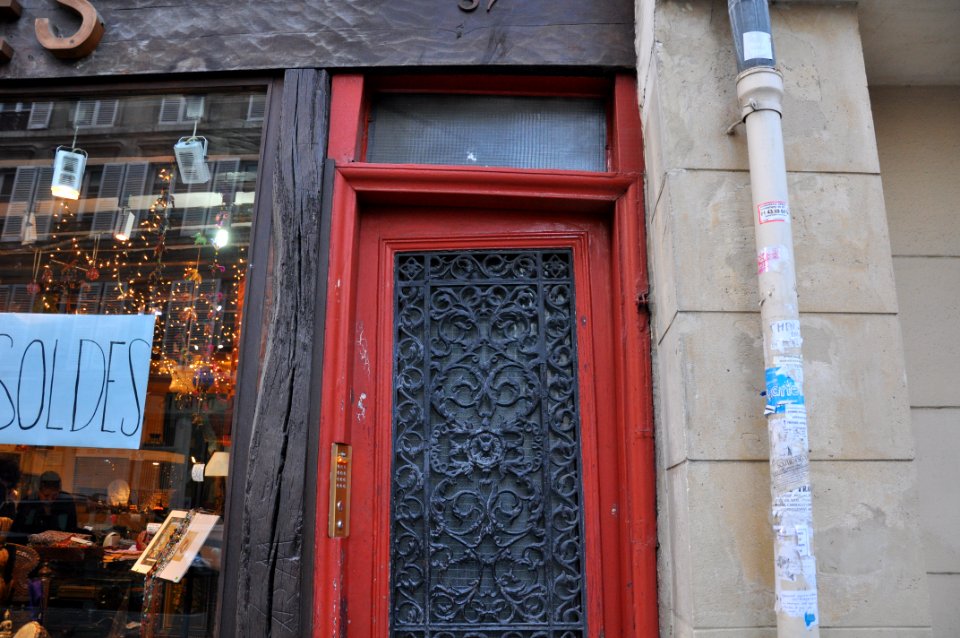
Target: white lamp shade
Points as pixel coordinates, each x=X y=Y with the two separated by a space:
x=218 y=465
x=124 y=226
x=191 y=153
x=68 y=168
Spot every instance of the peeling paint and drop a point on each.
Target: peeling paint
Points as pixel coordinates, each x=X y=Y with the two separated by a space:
x=361 y=408
x=364 y=352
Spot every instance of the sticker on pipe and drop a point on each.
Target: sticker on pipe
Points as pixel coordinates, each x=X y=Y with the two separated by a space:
x=773 y=211
x=771 y=259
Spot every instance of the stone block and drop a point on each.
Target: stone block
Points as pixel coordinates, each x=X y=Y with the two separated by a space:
x=827 y=121
x=662 y=266
x=710 y=366
x=866 y=541
x=681 y=559
x=918 y=137
x=929 y=290
x=937 y=432
x=944 y=594
x=653 y=131
x=703 y=252
x=731 y=545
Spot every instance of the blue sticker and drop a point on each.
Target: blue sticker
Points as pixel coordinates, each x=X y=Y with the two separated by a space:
x=809 y=618
x=781 y=391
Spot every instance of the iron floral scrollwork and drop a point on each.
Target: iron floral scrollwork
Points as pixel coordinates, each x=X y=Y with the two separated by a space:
x=487 y=533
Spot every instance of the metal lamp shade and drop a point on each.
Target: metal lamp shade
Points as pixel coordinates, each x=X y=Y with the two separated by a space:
x=191 y=154
x=68 y=168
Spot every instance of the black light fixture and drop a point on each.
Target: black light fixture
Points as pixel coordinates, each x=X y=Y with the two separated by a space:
x=752 y=38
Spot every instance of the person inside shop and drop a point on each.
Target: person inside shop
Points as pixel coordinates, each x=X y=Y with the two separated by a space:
x=54 y=509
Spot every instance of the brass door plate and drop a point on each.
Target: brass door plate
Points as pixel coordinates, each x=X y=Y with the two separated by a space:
x=341 y=462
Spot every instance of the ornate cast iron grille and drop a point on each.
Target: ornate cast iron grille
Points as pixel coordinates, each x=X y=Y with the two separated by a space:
x=486 y=525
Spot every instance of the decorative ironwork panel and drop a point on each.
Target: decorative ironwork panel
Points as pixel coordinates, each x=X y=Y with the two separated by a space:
x=486 y=526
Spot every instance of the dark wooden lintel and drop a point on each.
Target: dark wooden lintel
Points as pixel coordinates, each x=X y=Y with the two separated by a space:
x=149 y=37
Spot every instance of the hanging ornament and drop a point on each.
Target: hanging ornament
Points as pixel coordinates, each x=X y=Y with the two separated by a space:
x=34 y=286
x=92 y=272
x=47 y=276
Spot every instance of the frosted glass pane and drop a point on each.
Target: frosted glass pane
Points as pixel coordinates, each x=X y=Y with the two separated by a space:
x=471 y=130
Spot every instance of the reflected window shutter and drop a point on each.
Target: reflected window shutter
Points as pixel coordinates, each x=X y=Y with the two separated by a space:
x=170 y=109
x=44 y=203
x=108 y=199
x=256 y=108
x=88 y=301
x=113 y=302
x=225 y=179
x=40 y=115
x=21 y=299
x=175 y=328
x=4 y=297
x=20 y=199
x=107 y=113
x=83 y=115
x=134 y=186
x=194 y=217
x=193 y=107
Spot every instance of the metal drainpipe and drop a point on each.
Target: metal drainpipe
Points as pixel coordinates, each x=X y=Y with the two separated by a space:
x=760 y=94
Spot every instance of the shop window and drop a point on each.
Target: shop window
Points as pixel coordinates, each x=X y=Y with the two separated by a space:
x=112 y=486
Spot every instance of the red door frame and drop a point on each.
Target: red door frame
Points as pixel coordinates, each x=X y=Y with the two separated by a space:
x=616 y=195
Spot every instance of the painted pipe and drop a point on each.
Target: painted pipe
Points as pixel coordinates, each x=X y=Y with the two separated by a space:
x=760 y=95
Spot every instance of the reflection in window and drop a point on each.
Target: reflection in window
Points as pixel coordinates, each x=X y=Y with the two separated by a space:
x=138 y=241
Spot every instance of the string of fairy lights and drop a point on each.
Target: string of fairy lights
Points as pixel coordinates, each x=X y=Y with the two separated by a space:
x=194 y=288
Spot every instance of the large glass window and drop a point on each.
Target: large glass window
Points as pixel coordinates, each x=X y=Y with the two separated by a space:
x=124 y=228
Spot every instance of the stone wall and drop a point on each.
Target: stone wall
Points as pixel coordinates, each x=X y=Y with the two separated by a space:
x=918 y=135
x=716 y=559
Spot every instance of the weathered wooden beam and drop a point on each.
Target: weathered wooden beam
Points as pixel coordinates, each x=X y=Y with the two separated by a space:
x=10 y=10
x=145 y=37
x=274 y=505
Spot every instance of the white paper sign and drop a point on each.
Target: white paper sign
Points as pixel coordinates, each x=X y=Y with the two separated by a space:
x=74 y=380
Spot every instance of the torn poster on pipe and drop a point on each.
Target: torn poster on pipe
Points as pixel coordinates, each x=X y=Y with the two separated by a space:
x=75 y=380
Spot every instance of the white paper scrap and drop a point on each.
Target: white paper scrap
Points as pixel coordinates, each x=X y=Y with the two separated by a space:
x=784 y=335
x=800 y=603
x=757 y=45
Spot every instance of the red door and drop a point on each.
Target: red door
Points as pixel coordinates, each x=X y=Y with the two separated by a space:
x=485 y=461
x=487 y=358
